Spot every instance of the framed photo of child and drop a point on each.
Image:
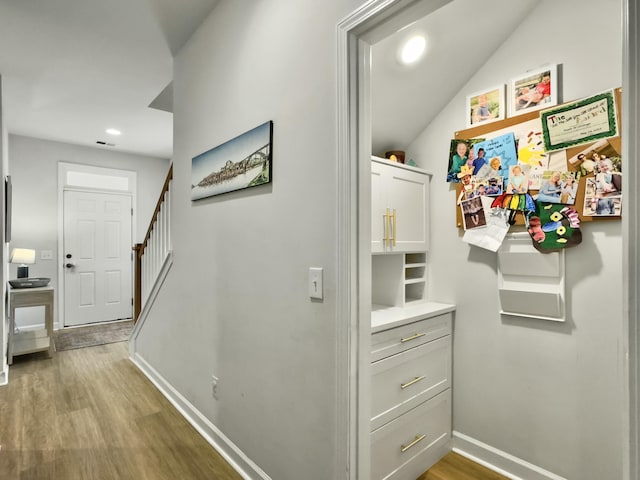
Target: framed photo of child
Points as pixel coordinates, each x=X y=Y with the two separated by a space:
x=486 y=106
x=534 y=90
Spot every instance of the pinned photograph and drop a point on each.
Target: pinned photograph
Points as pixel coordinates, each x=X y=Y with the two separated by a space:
x=558 y=187
x=586 y=158
x=598 y=202
x=463 y=153
x=518 y=181
x=473 y=213
x=534 y=90
x=486 y=106
x=488 y=186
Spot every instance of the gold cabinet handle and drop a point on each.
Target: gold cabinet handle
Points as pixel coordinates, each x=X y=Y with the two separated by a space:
x=419 y=438
x=387 y=228
x=394 y=227
x=408 y=384
x=412 y=337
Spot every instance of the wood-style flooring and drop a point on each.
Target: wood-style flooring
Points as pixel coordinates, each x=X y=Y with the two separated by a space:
x=89 y=414
x=456 y=467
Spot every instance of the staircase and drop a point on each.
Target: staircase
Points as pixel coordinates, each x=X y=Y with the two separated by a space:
x=153 y=257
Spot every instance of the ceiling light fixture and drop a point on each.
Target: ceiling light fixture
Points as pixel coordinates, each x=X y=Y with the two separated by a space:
x=413 y=49
x=113 y=131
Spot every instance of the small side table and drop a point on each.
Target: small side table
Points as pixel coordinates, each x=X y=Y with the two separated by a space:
x=35 y=340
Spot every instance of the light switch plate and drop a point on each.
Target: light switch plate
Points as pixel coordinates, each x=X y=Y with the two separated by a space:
x=315 y=283
x=46 y=255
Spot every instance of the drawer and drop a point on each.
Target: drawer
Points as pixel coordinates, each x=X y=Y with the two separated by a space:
x=409 y=445
x=395 y=340
x=403 y=381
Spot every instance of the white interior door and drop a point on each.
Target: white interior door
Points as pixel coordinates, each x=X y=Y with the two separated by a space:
x=97 y=263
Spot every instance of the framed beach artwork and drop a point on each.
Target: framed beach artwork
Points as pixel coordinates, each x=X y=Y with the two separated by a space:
x=485 y=106
x=534 y=90
x=242 y=162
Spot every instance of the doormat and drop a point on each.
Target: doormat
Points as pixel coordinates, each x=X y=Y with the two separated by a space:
x=92 y=335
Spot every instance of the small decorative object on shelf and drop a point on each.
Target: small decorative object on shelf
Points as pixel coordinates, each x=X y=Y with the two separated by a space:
x=395 y=156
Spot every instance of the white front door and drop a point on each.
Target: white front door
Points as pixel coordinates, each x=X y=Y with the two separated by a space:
x=97 y=257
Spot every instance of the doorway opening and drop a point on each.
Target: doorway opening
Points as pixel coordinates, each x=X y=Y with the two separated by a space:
x=96 y=216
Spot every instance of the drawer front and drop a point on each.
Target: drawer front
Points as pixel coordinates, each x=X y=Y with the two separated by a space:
x=409 y=445
x=403 y=381
x=396 y=340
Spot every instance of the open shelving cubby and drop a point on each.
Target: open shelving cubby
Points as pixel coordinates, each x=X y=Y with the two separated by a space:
x=398 y=279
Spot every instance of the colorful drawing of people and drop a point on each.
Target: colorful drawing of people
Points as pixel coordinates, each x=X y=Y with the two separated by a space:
x=517 y=182
x=550 y=189
x=458 y=159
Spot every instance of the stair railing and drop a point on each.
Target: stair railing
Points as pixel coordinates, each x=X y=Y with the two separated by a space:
x=150 y=255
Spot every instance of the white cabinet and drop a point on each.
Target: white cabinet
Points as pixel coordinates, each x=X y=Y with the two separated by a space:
x=411 y=352
x=399 y=199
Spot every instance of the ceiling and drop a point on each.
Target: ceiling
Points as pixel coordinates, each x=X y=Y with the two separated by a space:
x=461 y=36
x=73 y=68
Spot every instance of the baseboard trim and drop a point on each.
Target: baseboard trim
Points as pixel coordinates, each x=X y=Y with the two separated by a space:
x=247 y=469
x=4 y=376
x=162 y=274
x=501 y=462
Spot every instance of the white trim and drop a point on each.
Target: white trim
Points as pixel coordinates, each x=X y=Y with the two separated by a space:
x=225 y=447
x=153 y=293
x=499 y=461
x=630 y=355
x=373 y=21
x=63 y=168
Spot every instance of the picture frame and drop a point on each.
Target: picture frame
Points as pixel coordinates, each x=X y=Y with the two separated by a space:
x=486 y=106
x=534 y=90
x=242 y=162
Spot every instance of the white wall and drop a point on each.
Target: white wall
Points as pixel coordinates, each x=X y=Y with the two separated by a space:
x=235 y=302
x=33 y=165
x=548 y=393
x=4 y=369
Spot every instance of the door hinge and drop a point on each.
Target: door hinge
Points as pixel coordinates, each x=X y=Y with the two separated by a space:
x=132 y=211
x=132 y=301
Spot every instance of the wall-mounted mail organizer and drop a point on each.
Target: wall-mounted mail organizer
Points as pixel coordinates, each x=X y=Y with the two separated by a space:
x=529 y=284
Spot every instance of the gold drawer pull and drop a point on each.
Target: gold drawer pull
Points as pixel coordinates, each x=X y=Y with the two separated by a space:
x=419 y=438
x=395 y=221
x=412 y=337
x=408 y=384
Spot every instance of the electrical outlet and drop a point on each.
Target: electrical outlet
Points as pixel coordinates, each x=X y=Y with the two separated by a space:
x=214 y=387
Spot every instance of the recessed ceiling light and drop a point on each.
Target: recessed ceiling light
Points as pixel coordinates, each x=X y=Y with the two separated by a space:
x=413 y=49
x=113 y=131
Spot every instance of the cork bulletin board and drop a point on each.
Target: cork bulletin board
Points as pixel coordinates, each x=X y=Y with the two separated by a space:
x=520 y=122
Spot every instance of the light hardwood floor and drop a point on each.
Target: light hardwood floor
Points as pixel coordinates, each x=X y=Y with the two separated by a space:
x=89 y=414
x=457 y=467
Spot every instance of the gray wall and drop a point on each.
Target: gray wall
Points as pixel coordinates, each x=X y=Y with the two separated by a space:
x=33 y=165
x=551 y=394
x=235 y=303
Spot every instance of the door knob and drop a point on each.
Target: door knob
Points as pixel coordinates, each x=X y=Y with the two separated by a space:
x=69 y=265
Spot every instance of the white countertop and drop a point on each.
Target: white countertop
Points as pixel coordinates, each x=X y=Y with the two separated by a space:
x=384 y=317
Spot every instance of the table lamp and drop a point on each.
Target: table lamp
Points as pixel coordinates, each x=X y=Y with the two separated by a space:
x=24 y=257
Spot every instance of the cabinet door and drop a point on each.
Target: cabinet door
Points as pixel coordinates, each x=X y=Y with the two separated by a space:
x=408 y=194
x=378 y=208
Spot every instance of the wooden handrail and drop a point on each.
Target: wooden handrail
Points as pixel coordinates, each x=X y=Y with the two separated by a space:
x=138 y=249
x=154 y=217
